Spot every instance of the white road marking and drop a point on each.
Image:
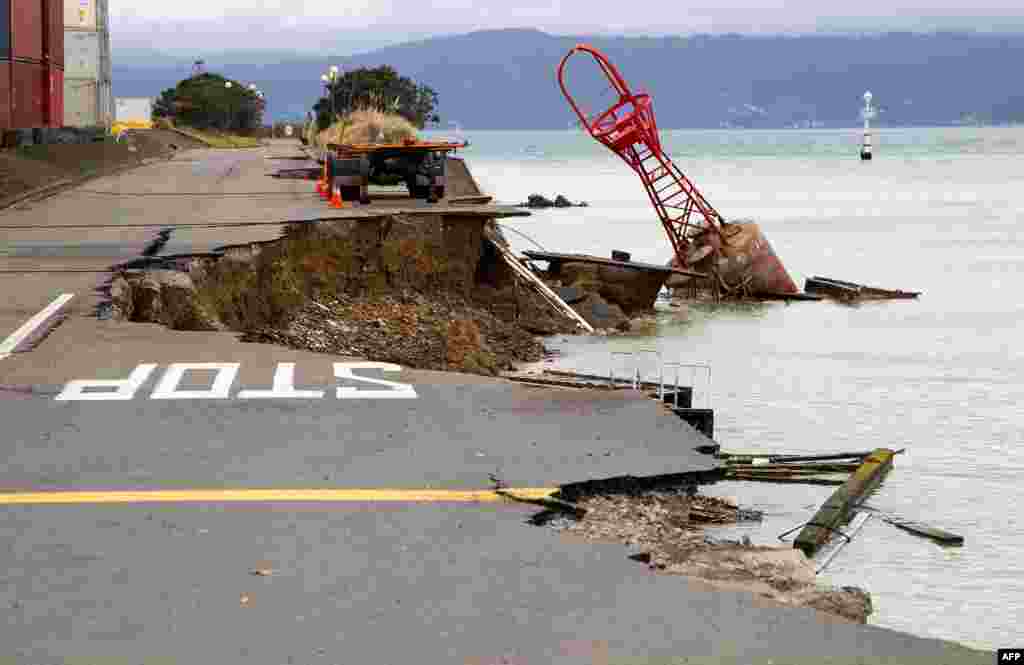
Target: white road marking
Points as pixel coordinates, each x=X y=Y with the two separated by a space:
x=398 y=390
x=124 y=389
x=168 y=386
x=220 y=388
x=283 y=388
x=8 y=345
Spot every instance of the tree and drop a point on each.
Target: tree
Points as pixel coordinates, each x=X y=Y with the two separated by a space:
x=381 y=88
x=205 y=101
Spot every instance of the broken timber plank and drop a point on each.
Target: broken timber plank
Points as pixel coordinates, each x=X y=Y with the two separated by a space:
x=936 y=534
x=823 y=479
x=734 y=457
x=836 y=510
x=794 y=468
x=539 y=284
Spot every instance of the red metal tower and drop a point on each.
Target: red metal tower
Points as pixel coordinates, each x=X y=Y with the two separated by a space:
x=629 y=130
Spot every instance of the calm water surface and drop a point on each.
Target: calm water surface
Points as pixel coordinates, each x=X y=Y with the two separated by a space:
x=938 y=211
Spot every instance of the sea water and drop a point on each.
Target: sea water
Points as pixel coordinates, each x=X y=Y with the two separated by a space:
x=938 y=211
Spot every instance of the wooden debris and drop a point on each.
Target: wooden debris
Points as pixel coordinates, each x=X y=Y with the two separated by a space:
x=926 y=531
x=794 y=469
x=543 y=289
x=836 y=510
x=739 y=457
x=849 y=291
x=822 y=479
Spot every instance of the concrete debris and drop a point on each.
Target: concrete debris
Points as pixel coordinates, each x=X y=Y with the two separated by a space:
x=601 y=314
x=168 y=297
x=407 y=328
x=668 y=530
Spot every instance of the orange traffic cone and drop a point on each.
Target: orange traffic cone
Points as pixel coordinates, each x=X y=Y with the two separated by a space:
x=336 y=201
x=322 y=185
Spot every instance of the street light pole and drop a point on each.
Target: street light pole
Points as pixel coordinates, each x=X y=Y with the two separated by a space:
x=330 y=80
x=227 y=120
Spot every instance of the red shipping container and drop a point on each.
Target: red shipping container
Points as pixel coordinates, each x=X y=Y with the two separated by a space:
x=27 y=28
x=29 y=91
x=5 y=29
x=5 y=94
x=57 y=98
x=31 y=63
x=56 y=13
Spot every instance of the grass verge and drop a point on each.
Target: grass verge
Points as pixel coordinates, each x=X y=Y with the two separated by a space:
x=216 y=139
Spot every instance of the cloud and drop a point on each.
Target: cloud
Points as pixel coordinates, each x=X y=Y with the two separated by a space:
x=310 y=25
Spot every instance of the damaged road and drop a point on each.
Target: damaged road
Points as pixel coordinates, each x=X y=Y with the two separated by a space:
x=460 y=582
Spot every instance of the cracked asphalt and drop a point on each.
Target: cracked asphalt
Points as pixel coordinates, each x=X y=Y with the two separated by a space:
x=333 y=583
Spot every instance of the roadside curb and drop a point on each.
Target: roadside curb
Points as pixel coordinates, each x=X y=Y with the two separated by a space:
x=200 y=139
x=210 y=144
x=65 y=184
x=38 y=191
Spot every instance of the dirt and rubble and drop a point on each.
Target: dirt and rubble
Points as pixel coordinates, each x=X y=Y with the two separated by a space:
x=409 y=329
x=416 y=290
x=668 y=529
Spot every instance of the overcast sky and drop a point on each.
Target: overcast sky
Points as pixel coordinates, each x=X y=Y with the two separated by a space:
x=347 y=26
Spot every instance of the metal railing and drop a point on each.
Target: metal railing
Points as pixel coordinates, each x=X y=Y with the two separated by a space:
x=636 y=377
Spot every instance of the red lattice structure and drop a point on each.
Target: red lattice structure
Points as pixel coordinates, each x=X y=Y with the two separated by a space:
x=628 y=129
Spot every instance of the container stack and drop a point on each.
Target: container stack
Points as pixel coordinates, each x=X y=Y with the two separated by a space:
x=31 y=64
x=88 y=97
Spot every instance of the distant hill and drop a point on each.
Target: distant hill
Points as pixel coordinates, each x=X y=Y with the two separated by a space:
x=506 y=79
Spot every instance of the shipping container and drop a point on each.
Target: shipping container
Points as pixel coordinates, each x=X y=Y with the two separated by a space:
x=82 y=15
x=105 y=93
x=133 y=109
x=30 y=95
x=5 y=32
x=81 y=105
x=27 y=29
x=5 y=94
x=31 y=62
x=32 y=30
x=82 y=55
x=57 y=100
x=56 y=27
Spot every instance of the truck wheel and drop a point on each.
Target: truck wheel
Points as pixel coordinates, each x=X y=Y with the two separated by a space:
x=417 y=191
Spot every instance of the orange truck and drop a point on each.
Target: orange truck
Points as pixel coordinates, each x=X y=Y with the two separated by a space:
x=421 y=165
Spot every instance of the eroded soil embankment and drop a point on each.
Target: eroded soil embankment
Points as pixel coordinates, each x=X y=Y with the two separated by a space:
x=667 y=528
x=418 y=290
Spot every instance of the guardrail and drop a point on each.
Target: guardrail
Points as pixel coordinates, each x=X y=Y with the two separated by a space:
x=634 y=374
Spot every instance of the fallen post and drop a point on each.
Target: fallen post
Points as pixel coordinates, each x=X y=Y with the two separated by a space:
x=920 y=529
x=858 y=522
x=543 y=289
x=821 y=479
x=836 y=510
x=734 y=457
x=795 y=468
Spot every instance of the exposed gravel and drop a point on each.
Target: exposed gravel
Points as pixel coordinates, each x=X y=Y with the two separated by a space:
x=667 y=530
x=437 y=332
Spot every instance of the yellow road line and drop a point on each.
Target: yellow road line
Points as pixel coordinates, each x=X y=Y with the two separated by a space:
x=272 y=495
